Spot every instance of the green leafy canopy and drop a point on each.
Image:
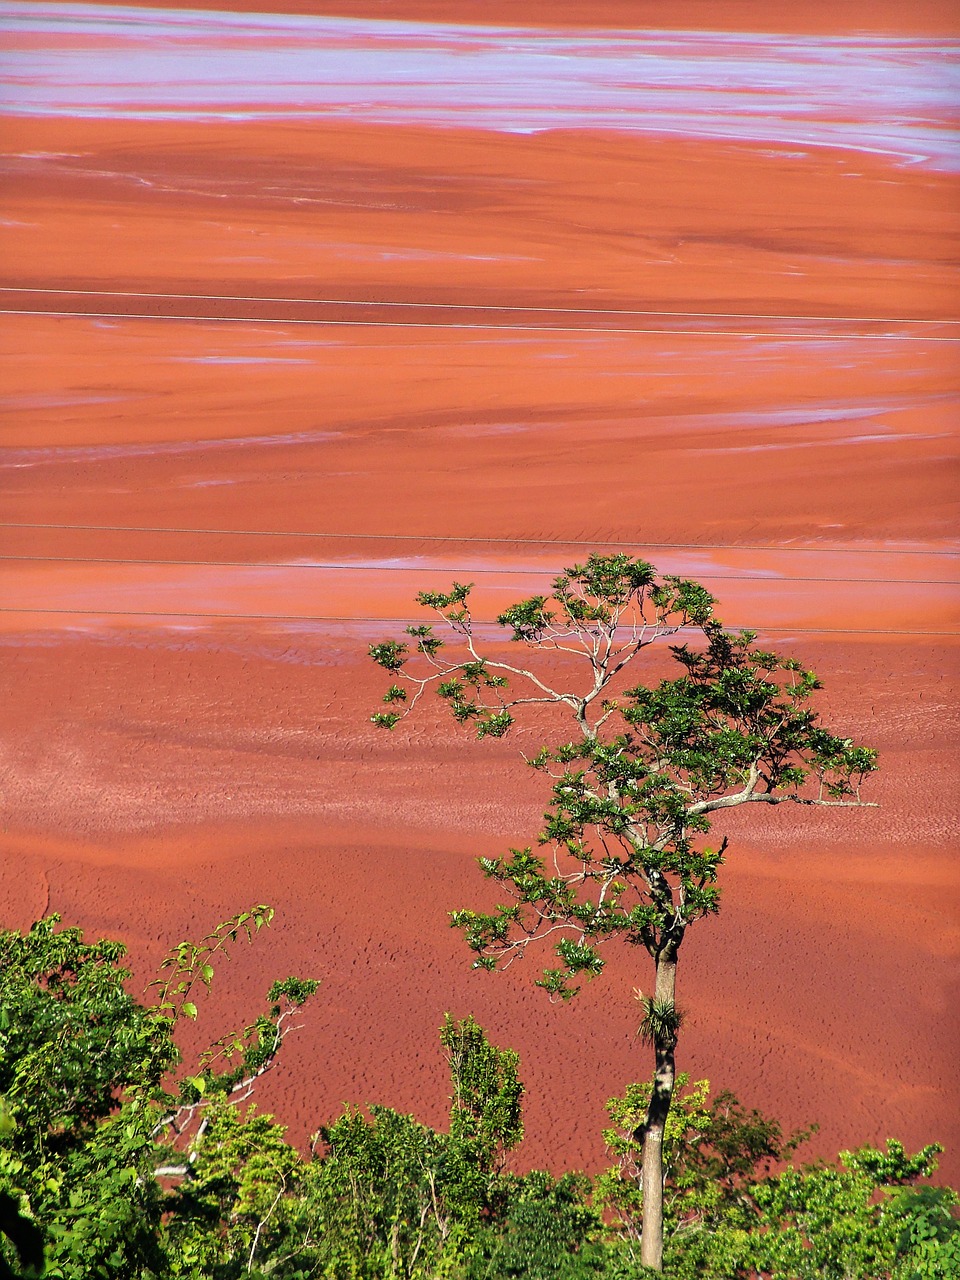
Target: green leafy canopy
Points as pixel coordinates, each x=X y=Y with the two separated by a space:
x=649 y=768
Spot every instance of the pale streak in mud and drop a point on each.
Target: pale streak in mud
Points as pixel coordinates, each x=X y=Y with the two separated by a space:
x=896 y=97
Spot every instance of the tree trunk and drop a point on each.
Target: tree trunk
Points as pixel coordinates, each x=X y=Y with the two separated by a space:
x=651 y=1239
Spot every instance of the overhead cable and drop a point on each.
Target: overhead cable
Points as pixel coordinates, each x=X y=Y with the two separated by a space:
x=463 y=326
x=363 y=618
x=474 y=306
x=477 y=540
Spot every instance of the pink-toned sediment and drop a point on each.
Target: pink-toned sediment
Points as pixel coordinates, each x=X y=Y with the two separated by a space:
x=164 y=765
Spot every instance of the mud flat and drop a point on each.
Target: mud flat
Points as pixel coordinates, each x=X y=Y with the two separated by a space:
x=389 y=297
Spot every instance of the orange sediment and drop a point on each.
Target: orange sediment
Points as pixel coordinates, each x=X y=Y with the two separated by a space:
x=583 y=338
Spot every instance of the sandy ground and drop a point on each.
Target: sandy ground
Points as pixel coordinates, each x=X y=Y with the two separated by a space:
x=732 y=350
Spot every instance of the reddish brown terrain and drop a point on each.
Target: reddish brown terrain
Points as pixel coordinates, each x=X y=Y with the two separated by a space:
x=300 y=319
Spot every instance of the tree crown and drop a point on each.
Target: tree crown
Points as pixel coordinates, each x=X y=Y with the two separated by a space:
x=638 y=772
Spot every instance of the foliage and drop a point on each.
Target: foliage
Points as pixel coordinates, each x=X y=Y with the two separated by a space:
x=71 y=1038
x=485 y=1114
x=395 y=1198
x=928 y=1243
x=635 y=790
x=713 y=1148
x=548 y=1232
x=112 y=1167
x=829 y=1223
x=90 y=1105
x=378 y=1194
x=80 y=1068
x=239 y=1203
x=733 y=1212
x=629 y=810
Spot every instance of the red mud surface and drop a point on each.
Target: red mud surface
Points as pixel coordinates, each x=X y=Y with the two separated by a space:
x=577 y=335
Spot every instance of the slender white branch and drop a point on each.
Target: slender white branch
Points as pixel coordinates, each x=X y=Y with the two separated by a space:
x=767 y=797
x=554 y=694
x=261 y=1224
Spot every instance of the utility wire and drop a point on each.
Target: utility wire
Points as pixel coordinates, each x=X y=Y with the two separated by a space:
x=400 y=568
x=473 y=306
x=495 y=541
x=485 y=622
x=476 y=326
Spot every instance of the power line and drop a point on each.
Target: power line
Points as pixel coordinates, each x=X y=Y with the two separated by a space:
x=301 y=617
x=399 y=568
x=454 y=538
x=479 y=327
x=473 y=306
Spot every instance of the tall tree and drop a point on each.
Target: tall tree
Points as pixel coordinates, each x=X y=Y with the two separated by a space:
x=638 y=774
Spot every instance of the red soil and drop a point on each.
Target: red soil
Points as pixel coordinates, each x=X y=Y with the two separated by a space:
x=162 y=772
